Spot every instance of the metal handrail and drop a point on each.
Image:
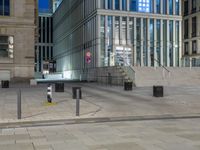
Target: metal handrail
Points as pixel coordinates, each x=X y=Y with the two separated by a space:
x=162 y=65
x=127 y=68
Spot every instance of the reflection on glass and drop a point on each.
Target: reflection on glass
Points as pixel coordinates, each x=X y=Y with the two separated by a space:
x=138 y=43
x=171 y=7
x=158 y=31
x=109 y=4
x=177 y=44
x=151 y=32
x=117 y=5
x=145 y=52
x=124 y=30
x=165 y=42
x=177 y=7
x=117 y=30
x=109 y=52
x=102 y=38
x=124 y=3
x=171 y=42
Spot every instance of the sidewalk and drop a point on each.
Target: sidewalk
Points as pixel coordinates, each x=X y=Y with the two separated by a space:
x=98 y=101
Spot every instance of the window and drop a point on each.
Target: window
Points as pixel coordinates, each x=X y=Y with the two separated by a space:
x=194 y=3
x=186 y=48
x=124 y=4
x=186 y=7
x=144 y=5
x=186 y=29
x=194 y=26
x=164 y=6
x=158 y=6
x=177 y=7
x=117 y=32
x=4 y=7
x=133 y=5
x=117 y=5
x=109 y=4
x=194 y=47
x=124 y=30
x=6 y=46
x=171 y=7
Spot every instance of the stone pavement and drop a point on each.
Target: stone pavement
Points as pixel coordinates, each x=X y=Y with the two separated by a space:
x=98 y=101
x=136 y=135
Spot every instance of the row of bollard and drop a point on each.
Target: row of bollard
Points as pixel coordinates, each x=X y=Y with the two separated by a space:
x=76 y=94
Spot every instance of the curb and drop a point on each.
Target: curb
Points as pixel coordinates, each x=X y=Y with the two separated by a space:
x=94 y=120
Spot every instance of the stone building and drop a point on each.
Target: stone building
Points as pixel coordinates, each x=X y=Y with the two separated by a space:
x=17 y=38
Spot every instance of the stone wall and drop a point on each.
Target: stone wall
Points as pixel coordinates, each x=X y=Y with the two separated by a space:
x=21 y=25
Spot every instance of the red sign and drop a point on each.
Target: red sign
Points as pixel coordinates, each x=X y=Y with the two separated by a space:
x=88 y=57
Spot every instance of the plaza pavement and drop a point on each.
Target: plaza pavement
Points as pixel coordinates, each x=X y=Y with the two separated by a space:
x=135 y=135
x=99 y=101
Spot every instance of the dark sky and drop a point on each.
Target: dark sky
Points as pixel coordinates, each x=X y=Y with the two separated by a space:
x=43 y=4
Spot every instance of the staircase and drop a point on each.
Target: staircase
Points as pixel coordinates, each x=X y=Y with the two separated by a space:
x=177 y=76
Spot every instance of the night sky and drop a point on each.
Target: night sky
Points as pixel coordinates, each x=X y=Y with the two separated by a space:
x=43 y=4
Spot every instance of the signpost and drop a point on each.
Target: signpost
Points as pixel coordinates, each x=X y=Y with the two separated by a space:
x=88 y=57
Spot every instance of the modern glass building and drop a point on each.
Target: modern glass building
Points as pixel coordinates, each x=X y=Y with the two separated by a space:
x=191 y=28
x=103 y=33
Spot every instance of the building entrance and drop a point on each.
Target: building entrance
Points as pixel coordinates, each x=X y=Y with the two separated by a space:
x=123 y=56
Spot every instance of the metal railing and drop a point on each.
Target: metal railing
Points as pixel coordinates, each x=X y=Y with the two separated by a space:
x=164 y=68
x=128 y=69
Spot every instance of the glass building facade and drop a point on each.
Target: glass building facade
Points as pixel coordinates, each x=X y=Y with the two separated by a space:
x=117 y=32
x=144 y=37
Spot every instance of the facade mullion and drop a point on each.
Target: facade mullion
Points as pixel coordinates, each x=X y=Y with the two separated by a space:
x=167 y=6
x=128 y=5
x=161 y=6
x=174 y=43
x=168 y=43
x=155 y=44
x=113 y=4
x=180 y=43
x=120 y=4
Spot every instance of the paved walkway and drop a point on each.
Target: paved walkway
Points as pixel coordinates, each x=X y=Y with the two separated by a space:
x=98 y=101
x=135 y=135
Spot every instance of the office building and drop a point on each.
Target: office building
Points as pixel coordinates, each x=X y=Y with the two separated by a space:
x=44 y=45
x=103 y=33
x=191 y=30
